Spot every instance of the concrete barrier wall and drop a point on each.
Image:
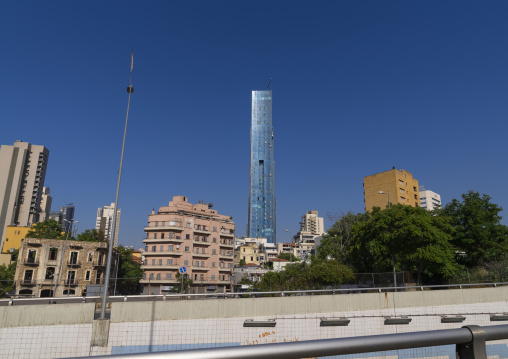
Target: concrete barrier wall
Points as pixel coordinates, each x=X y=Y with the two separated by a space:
x=253 y=307
x=50 y=314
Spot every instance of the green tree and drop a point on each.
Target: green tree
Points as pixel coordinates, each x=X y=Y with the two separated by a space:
x=7 y=276
x=92 y=235
x=336 y=243
x=478 y=231
x=411 y=237
x=187 y=283
x=48 y=229
x=129 y=271
x=242 y=262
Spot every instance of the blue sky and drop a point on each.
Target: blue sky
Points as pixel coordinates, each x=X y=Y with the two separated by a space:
x=358 y=87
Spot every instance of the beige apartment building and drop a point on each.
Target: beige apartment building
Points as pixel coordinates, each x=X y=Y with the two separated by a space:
x=188 y=235
x=395 y=186
x=40 y=262
x=251 y=253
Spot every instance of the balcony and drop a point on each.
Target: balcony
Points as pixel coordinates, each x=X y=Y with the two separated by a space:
x=162 y=240
x=176 y=227
x=168 y=253
x=159 y=281
x=27 y=282
x=225 y=269
x=99 y=263
x=202 y=243
x=227 y=244
x=73 y=263
x=31 y=262
x=162 y=266
x=227 y=234
x=200 y=268
x=203 y=231
x=71 y=282
x=203 y=255
x=226 y=257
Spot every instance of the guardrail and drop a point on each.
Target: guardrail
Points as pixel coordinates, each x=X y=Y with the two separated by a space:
x=469 y=340
x=164 y=297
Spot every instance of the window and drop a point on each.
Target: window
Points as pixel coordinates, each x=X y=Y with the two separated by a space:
x=168 y=275
x=160 y=262
x=162 y=248
x=89 y=257
x=202 y=250
x=213 y=264
x=401 y=190
x=187 y=249
x=154 y=248
x=31 y=256
x=202 y=263
x=171 y=235
x=87 y=275
x=156 y=224
x=401 y=182
x=158 y=276
x=151 y=276
x=162 y=235
x=188 y=225
x=187 y=236
x=213 y=276
x=153 y=262
x=214 y=251
x=196 y=264
x=53 y=252
x=155 y=235
x=201 y=277
x=415 y=189
x=169 y=262
x=73 y=258
x=185 y=262
x=28 y=275
x=172 y=223
x=215 y=229
x=50 y=273
x=170 y=248
x=214 y=240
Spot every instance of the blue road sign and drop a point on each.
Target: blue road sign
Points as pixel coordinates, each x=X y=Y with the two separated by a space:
x=182 y=270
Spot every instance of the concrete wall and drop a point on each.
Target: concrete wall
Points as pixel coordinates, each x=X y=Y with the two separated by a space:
x=68 y=330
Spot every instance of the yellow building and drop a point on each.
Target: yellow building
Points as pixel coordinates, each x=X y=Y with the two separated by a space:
x=250 y=252
x=395 y=186
x=13 y=237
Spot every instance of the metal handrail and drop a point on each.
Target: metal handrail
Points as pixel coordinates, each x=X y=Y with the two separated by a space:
x=148 y=297
x=469 y=340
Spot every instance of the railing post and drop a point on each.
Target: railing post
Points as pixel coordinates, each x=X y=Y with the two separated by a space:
x=476 y=349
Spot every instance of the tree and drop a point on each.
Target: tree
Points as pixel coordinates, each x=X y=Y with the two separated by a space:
x=48 y=229
x=129 y=271
x=92 y=235
x=410 y=237
x=336 y=242
x=242 y=262
x=187 y=283
x=478 y=231
x=7 y=276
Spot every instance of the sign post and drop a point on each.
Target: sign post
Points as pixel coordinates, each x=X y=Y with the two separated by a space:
x=182 y=271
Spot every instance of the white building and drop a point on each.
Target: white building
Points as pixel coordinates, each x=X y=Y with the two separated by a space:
x=45 y=204
x=312 y=223
x=104 y=222
x=22 y=173
x=429 y=200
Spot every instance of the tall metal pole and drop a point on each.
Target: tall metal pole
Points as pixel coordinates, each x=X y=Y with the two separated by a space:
x=130 y=89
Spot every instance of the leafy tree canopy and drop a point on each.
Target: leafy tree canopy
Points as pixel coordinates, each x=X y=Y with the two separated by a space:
x=129 y=273
x=49 y=229
x=92 y=235
x=478 y=231
x=288 y=256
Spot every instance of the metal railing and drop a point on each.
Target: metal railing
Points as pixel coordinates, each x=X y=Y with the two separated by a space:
x=469 y=341
x=218 y=295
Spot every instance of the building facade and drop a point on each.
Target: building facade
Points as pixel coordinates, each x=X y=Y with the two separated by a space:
x=83 y=264
x=104 y=222
x=394 y=186
x=429 y=200
x=13 y=237
x=188 y=235
x=262 y=203
x=312 y=223
x=23 y=170
x=45 y=204
x=250 y=252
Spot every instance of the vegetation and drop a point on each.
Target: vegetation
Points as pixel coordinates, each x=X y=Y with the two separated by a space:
x=93 y=235
x=187 y=283
x=7 y=276
x=289 y=257
x=129 y=272
x=48 y=229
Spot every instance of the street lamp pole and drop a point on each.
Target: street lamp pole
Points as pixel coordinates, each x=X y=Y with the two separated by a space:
x=62 y=256
x=130 y=90
x=393 y=256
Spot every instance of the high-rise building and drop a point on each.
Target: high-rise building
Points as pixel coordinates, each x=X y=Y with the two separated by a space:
x=45 y=204
x=188 y=235
x=104 y=222
x=64 y=216
x=262 y=206
x=429 y=200
x=394 y=186
x=312 y=223
x=22 y=174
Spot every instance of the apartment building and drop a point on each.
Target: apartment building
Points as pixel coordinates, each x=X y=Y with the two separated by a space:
x=188 y=235
x=77 y=264
x=393 y=186
x=23 y=170
x=429 y=200
x=104 y=222
x=250 y=252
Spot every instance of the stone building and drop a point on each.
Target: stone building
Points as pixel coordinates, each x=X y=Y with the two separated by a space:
x=79 y=263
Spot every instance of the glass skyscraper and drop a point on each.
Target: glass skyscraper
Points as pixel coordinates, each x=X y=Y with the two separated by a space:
x=262 y=178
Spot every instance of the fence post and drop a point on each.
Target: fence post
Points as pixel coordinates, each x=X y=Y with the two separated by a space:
x=476 y=349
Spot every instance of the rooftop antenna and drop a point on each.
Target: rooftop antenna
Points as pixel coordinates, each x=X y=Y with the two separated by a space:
x=269 y=82
x=111 y=239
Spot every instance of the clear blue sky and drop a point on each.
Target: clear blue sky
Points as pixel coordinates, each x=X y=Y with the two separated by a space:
x=358 y=87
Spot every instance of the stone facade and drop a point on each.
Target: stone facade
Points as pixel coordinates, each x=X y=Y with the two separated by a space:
x=41 y=260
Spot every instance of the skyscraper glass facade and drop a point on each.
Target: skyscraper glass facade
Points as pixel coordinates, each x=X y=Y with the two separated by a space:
x=262 y=221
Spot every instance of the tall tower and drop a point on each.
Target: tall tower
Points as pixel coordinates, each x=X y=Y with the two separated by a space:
x=262 y=221
x=22 y=174
x=104 y=222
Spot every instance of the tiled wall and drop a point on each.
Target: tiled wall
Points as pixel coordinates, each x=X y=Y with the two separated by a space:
x=137 y=337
